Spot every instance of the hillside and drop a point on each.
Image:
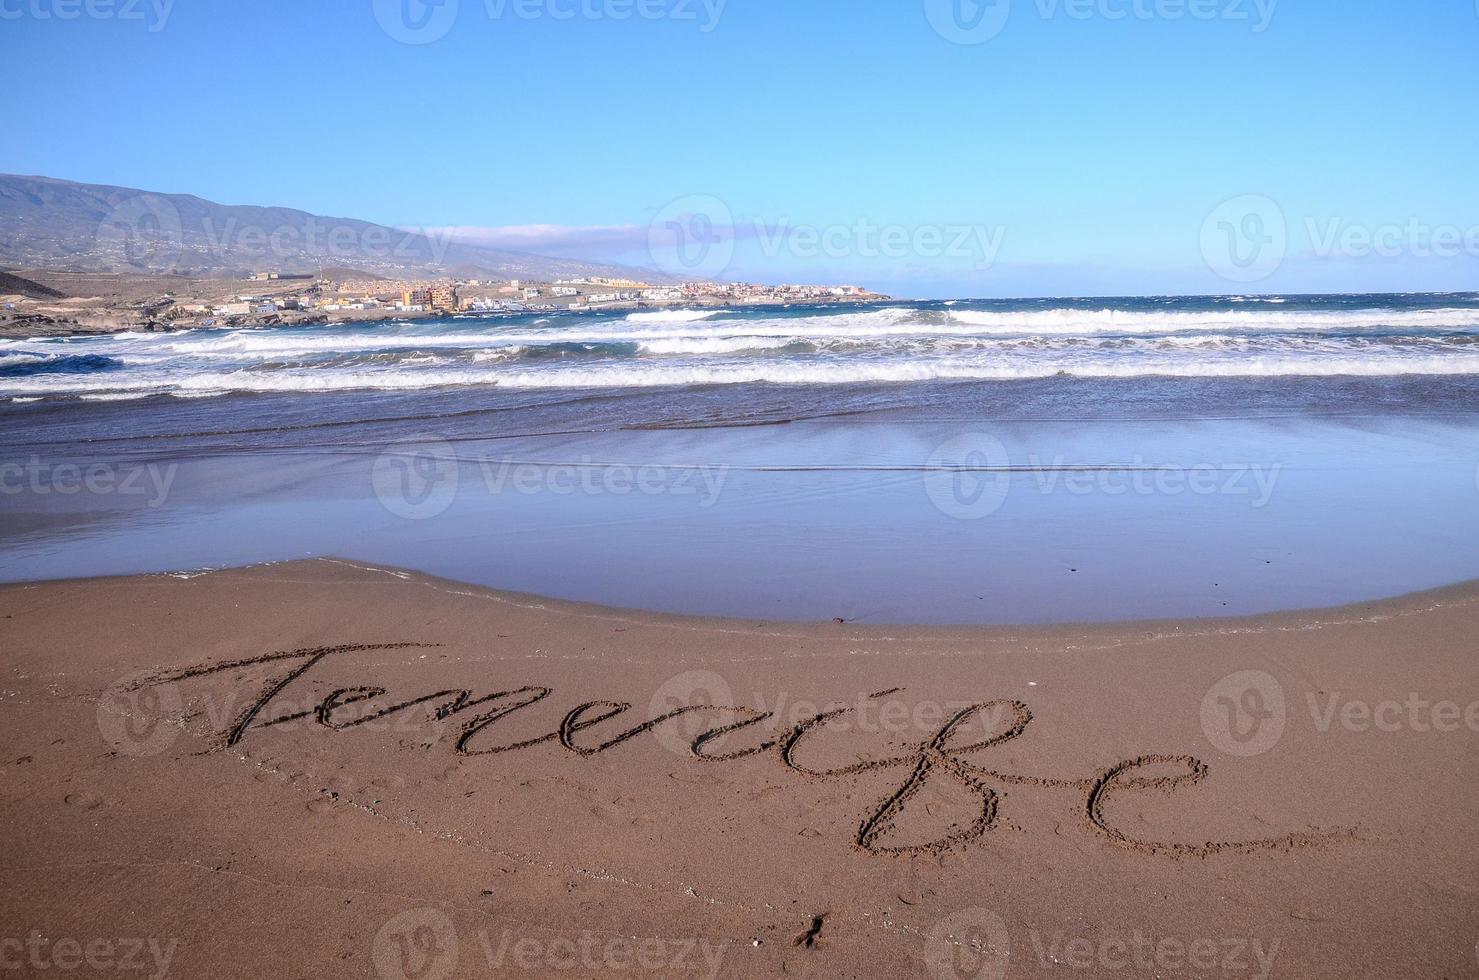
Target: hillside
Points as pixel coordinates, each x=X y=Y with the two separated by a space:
x=47 y=223
x=17 y=286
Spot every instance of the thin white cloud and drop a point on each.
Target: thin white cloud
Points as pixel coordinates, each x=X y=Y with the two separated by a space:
x=585 y=239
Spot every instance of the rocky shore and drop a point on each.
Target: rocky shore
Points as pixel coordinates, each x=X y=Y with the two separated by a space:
x=54 y=304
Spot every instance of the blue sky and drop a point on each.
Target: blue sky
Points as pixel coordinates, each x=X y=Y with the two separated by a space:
x=1082 y=149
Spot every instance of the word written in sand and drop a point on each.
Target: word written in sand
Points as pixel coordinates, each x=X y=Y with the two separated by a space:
x=939 y=757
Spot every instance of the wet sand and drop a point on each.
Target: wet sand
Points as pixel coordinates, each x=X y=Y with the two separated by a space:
x=319 y=768
x=1110 y=519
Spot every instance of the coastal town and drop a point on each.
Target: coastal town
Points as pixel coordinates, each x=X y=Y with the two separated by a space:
x=36 y=303
x=445 y=296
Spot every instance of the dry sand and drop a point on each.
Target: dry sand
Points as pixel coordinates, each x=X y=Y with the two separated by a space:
x=275 y=772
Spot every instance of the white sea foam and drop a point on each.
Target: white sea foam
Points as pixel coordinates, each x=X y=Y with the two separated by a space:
x=945 y=369
x=1064 y=322
x=497 y=353
x=672 y=316
x=845 y=345
x=712 y=345
x=670 y=335
x=637 y=373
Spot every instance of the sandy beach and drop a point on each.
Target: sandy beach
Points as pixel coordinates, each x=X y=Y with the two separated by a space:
x=944 y=490
x=320 y=768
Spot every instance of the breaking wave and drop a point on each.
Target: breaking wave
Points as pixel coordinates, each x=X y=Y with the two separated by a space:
x=1228 y=338
x=20 y=364
x=673 y=316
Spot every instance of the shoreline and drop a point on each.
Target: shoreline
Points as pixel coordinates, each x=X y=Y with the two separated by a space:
x=562 y=500
x=1400 y=604
x=100 y=319
x=202 y=760
x=25 y=327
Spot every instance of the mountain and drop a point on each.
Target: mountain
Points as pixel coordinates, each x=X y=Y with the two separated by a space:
x=47 y=223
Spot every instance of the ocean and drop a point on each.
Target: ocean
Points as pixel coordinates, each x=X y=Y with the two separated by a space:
x=1042 y=460
x=1240 y=336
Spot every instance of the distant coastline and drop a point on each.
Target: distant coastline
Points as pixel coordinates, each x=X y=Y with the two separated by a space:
x=44 y=303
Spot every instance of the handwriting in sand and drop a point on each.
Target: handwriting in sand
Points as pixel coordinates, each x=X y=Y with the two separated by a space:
x=939 y=757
